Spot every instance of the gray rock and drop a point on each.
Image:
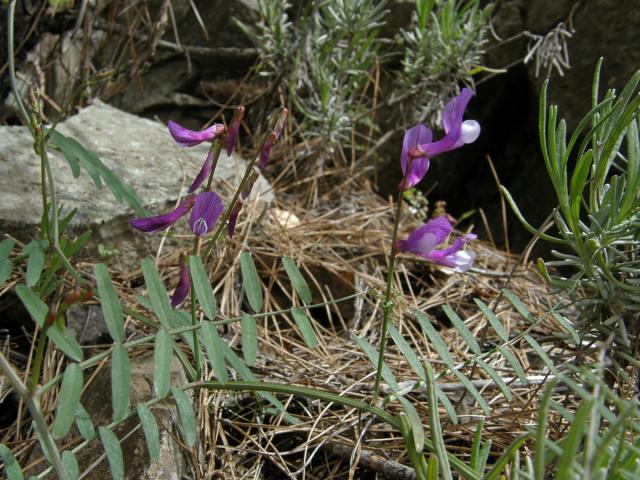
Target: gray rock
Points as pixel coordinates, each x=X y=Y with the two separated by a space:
x=139 y=151
x=87 y=324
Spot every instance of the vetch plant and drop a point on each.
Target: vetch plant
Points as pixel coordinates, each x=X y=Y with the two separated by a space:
x=417 y=148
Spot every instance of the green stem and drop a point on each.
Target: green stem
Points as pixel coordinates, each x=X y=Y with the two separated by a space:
x=40 y=423
x=12 y=66
x=44 y=158
x=216 y=148
x=387 y=304
x=45 y=203
x=37 y=359
x=194 y=317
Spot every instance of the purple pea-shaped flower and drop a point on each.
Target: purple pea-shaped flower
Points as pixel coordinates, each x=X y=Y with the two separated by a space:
x=418 y=146
x=205 y=208
x=424 y=240
x=184 y=284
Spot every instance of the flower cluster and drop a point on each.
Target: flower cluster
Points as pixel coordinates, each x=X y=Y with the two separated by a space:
x=206 y=208
x=417 y=148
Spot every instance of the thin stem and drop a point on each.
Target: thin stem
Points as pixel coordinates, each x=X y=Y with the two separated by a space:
x=44 y=158
x=216 y=149
x=194 y=316
x=37 y=360
x=387 y=304
x=45 y=203
x=40 y=423
x=12 y=66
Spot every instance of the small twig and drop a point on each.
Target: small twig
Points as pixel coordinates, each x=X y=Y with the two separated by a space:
x=387 y=468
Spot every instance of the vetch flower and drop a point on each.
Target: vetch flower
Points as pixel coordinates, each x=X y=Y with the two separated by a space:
x=161 y=222
x=203 y=174
x=418 y=147
x=205 y=211
x=184 y=284
x=414 y=169
x=233 y=217
x=234 y=129
x=424 y=240
x=273 y=136
x=188 y=138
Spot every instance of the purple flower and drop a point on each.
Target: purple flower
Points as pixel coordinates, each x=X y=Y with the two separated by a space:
x=188 y=138
x=234 y=129
x=418 y=147
x=160 y=222
x=414 y=169
x=205 y=213
x=273 y=136
x=233 y=218
x=204 y=173
x=424 y=240
x=184 y=285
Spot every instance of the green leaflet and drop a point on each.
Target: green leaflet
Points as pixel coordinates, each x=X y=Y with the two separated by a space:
x=84 y=423
x=162 y=355
x=297 y=280
x=109 y=303
x=515 y=364
x=70 y=464
x=462 y=329
x=120 y=382
x=34 y=305
x=68 y=400
x=65 y=341
x=213 y=345
x=11 y=466
x=202 y=286
x=417 y=429
x=304 y=324
x=251 y=281
x=435 y=339
x=35 y=262
x=187 y=415
x=6 y=265
x=493 y=320
x=150 y=428
x=249 y=339
x=114 y=452
x=158 y=296
x=77 y=155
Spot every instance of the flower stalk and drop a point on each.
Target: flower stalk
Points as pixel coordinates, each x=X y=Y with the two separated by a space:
x=216 y=149
x=387 y=303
